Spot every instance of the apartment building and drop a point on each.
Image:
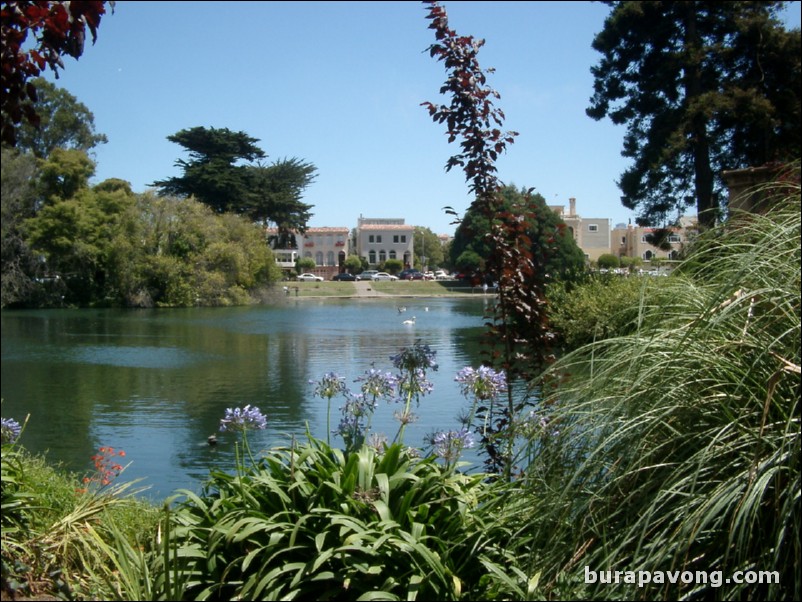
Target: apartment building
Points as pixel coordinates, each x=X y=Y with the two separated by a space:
x=328 y=247
x=592 y=234
x=380 y=239
x=633 y=241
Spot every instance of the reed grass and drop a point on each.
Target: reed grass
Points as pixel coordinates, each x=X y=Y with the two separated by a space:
x=679 y=443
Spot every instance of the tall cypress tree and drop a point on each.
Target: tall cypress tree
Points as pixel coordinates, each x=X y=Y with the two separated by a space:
x=223 y=172
x=212 y=175
x=702 y=87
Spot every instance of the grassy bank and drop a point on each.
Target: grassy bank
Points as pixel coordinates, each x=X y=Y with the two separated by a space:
x=417 y=288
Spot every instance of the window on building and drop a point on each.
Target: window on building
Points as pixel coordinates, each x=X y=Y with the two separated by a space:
x=319 y=258
x=593 y=227
x=371 y=239
x=378 y=238
x=372 y=258
x=392 y=254
x=382 y=256
x=330 y=258
x=674 y=238
x=404 y=238
x=396 y=238
x=648 y=255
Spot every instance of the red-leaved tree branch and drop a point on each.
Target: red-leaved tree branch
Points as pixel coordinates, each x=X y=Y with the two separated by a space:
x=471 y=116
x=518 y=335
x=35 y=35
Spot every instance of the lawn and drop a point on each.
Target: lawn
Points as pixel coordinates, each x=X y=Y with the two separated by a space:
x=399 y=288
x=422 y=287
x=320 y=289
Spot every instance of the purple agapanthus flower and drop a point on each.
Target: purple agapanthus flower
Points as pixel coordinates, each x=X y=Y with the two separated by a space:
x=414 y=384
x=483 y=384
x=379 y=385
x=330 y=385
x=243 y=419
x=9 y=430
x=416 y=357
x=449 y=444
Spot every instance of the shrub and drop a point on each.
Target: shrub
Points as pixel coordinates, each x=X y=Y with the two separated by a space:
x=599 y=308
x=311 y=522
x=608 y=261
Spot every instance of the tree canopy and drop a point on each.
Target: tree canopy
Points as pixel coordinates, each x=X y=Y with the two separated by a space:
x=549 y=238
x=702 y=87
x=223 y=172
x=64 y=122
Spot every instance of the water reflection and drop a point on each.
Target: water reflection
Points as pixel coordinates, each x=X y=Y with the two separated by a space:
x=156 y=383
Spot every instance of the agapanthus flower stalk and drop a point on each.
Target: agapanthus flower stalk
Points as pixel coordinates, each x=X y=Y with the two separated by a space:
x=10 y=430
x=243 y=419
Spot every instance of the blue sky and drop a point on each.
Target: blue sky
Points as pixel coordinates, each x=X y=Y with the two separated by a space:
x=339 y=84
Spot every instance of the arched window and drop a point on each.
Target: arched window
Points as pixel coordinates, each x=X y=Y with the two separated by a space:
x=330 y=258
x=319 y=258
x=382 y=256
x=372 y=257
x=392 y=254
x=648 y=255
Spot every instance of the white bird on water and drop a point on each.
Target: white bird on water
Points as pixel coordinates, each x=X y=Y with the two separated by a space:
x=410 y=321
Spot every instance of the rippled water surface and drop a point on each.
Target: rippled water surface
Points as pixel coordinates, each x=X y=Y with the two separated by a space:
x=156 y=383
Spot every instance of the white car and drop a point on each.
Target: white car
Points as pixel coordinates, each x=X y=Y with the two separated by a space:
x=310 y=278
x=383 y=276
x=441 y=275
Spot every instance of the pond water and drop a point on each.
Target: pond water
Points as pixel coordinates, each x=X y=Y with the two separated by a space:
x=155 y=383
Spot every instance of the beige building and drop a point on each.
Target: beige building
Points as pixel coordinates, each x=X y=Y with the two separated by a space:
x=592 y=234
x=328 y=247
x=378 y=240
x=633 y=241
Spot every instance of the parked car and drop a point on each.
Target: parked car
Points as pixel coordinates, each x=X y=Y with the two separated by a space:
x=345 y=276
x=410 y=275
x=441 y=275
x=383 y=276
x=367 y=275
x=428 y=275
x=310 y=278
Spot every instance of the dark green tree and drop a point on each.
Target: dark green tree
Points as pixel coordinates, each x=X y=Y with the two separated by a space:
x=279 y=188
x=64 y=122
x=548 y=237
x=702 y=87
x=213 y=174
x=223 y=172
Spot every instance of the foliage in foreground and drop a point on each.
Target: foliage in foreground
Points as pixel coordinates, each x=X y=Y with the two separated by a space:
x=58 y=532
x=680 y=442
x=310 y=522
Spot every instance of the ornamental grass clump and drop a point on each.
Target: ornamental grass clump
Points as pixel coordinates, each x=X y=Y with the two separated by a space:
x=679 y=443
